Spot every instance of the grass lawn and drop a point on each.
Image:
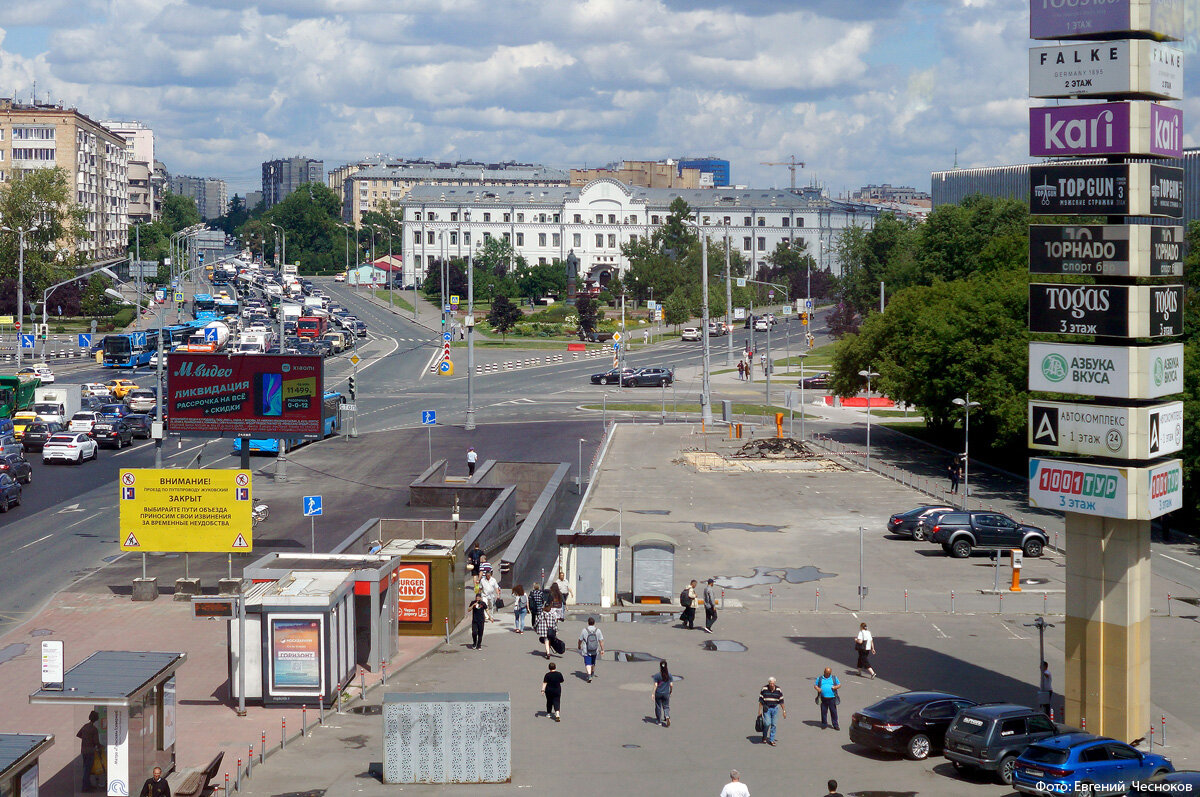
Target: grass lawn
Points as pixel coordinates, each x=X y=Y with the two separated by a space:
x=895 y=414
x=396 y=298
x=514 y=342
x=656 y=407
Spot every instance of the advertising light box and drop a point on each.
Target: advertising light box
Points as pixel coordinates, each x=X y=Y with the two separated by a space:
x=1121 y=493
x=1121 y=189
x=1145 y=129
x=1124 y=372
x=1124 y=69
x=1106 y=250
x=1126 y=311
x=1100 y=430
x=245 y=395
x=1080 y=19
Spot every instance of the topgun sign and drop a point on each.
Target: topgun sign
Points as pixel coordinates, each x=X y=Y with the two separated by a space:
x=1115 y=128
x=1122 y=189
x=1098 y=19
x=1131 y=69
x=1106 y=250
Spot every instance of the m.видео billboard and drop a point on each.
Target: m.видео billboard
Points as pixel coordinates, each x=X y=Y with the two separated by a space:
x=245 y=395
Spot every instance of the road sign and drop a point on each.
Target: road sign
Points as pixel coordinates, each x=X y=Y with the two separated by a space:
x=160 y=296
x=26 y=341
x=445 y=308
x=6 y=320
x=210 y=334
x=195 y=510
x=85 y=340
x=312 y=506
x=179 y=296
x=770 y=294
x=741 y=282
x=454 y=300
x=616 y=337
x=428 y=417
x=808 y=305
x=739 y=313
x=348 y=407
x=139 y=338
x=446 y=336
x=446 y=367
x=355 y=359
x=651 y=304
x=616 y=346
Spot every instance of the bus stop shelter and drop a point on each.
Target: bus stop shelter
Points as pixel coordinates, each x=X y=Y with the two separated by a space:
x=134 y=694
x=19 y=762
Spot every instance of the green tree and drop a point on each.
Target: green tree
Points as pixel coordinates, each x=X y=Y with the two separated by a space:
x=498 y=257
x=541 y=279
x=311 y=218
x=179 y=212
x=677 y=308
x=237 y=215
x=588 y=311
x=40 y=201
x=503 y=316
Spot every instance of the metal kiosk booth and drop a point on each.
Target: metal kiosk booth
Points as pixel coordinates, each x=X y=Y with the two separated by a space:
x=19 y=753
x=589 y=560
x=134 y=694
x=652 y=573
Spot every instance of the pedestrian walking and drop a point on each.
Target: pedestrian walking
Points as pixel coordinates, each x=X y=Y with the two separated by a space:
x=710 y=606
x=537 y=601
x=955 y=473
x=1045 y=694
x=687 y=599
x=770 y=706
x=591 y=643
x=89 y=748
x=547 y=628
x=832 y=786
x=742 y=370
x=762 y=359
x=476 y=587
x=478 y=609
x=662 y=695
x=473 y=558
x=864 y=643
x=827 y=686
x=564 y=587
x=520 y=608
x=735 y=787
x=156 y=785
x=552 y=683
x=472 y=458
x=490 y=589
x=556 y=601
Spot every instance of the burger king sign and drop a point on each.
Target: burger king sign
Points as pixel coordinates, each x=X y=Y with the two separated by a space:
x=412 y=582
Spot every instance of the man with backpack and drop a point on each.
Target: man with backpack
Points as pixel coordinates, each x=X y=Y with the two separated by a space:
x=591 y=642
x=687 y=599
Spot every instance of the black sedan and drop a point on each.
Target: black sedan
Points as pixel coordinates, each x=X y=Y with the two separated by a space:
x=611 y=376
x=913 y=724
x=649 y=377
x=17 y=467
x=816 y=381
x=140 y=424
x=906 y=522
x=10 y=492
x=36 y=434
x=112 y=432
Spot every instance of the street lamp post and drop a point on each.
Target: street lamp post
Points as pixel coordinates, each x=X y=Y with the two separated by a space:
x=469 y=323
x=966 y=404
x=281 y=457
x=579 y=480
x=21 y=232
x=728 y=305
x=869 y=374
x=802 y=355
x=705 y=366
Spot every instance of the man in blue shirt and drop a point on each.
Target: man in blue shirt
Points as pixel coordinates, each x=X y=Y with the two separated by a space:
x=827 y=686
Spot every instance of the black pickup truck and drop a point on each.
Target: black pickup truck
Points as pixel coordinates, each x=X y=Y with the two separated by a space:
x=960 y=532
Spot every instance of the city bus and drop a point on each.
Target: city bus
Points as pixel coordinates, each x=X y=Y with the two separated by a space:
x=226 y=306
x=177 y=334
x=129 y=349
x=331 y=413
x=16 y=394
x=202 y=302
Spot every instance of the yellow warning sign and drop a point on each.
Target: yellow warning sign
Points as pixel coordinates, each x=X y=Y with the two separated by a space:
x=185 y=510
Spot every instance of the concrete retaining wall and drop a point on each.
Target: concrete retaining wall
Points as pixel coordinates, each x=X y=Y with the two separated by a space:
x=535 y=545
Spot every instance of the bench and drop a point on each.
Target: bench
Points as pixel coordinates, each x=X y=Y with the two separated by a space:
x=193 y=782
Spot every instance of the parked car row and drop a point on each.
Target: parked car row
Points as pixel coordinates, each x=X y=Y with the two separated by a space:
x=960 y=532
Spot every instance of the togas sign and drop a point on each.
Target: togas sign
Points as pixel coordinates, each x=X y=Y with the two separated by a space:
x=1124 y=372
x=1122 y=69
x=1104 y=491
x=1098 y=430
x=1097 y=19
x=1106 y=250
x=1116 y=128
x=1124 y=189
x=1127 y=311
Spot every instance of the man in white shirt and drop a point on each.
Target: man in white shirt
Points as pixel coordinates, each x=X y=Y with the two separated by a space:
x=735 y=787
x=489 y=590
x=472 y=458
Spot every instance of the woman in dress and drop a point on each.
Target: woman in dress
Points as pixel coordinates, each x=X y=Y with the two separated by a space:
x=864 y=643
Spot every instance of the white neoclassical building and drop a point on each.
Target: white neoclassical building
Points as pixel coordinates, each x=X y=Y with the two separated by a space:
x=593 y=221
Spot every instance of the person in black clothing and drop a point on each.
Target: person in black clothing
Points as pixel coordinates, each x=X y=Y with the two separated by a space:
x=955 y=471
x=537 y=600
x=156 y=786
x=552 y=683
x=478 y=618
x=473 y=557
x=833 y=792
x=89 y=746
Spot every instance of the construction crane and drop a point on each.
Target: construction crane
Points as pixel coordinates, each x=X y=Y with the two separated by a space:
x=791 y=164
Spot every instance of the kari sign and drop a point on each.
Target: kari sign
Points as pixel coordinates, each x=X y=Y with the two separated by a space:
x=412 y=581
x=1095 y=19
x=1121 y=493
x=1128 y=311
x=1124 y=189
x=1128 y=68
x=1115 y=128
x=1106 y=250
x=246 y=395
x=1098 y=430
x=1125 y=372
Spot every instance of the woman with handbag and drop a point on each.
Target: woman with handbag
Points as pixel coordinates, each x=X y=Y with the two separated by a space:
x=864 y=643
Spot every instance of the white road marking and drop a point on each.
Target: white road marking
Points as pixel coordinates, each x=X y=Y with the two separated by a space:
x=35 y=542
x=1179 y=561
x=85 y=520
x=941 y=633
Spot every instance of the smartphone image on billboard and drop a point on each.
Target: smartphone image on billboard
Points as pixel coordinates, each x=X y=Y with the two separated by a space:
x=268 y=395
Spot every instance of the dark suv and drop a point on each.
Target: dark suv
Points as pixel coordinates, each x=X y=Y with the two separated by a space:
x=649 y=377
x=960 y=532
x=992 y=737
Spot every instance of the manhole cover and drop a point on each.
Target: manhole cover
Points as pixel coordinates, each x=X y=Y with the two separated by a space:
x=632 y=655
x=366 y=710
x=725 y=646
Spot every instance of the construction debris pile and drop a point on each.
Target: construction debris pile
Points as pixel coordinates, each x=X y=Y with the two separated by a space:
x=775 y=448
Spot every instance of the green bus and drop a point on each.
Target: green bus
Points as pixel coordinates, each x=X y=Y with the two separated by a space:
x=16 y=394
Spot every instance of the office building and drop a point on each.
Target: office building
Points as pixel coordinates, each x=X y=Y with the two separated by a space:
x=283 y=176
x=890 y=193
x=45 y=136
x=647 y=174
x=144 y=203
x=209 y=193
x=718 y=168
x=253 y=199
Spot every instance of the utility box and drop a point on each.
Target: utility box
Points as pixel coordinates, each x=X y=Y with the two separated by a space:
x=652 y=570
x=727 y=411
x=589 y=560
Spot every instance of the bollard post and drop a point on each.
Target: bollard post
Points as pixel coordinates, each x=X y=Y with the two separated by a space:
x=237 y=783
x=321 y=712
x=1083 y=723
x=1162 y=736
x=250 y=761
x=383 y=672
x=262 y=748
x=817 y=601
x=447 y=621
x=1052 y=713
x=362 y=683
x=283 y=733
x=1150 y=736
x=1043 y=603
x=770 y=598
x=303 y=720
x=1001 y=609
x=227 y=783
x=1168 y=604
x=906 y=600
x=1056 y=541
x=951 y=601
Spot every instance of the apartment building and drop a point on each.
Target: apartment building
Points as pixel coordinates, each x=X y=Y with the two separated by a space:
x=96 y=160
x=144 y=189
x=282 y=176
x=209 y=193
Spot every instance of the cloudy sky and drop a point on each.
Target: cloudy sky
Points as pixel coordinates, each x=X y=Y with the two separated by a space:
x=863 y=91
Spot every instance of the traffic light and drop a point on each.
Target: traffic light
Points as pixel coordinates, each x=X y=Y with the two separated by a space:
x=350 y=386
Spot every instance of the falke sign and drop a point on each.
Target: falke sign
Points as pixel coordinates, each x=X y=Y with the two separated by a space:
x=1124 y=69
x=1106 y=250
x=1098 y=430
x=1122 y=372
x=1123 y=189
x=1095 y=19
x=1126 y=311
x=1117 y=128
x=1104 y=491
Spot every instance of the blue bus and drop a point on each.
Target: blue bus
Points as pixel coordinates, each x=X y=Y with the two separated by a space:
x=331 y=413
x=202 y=302
x=226 y=307
x=129 y=349
x=177 y=334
